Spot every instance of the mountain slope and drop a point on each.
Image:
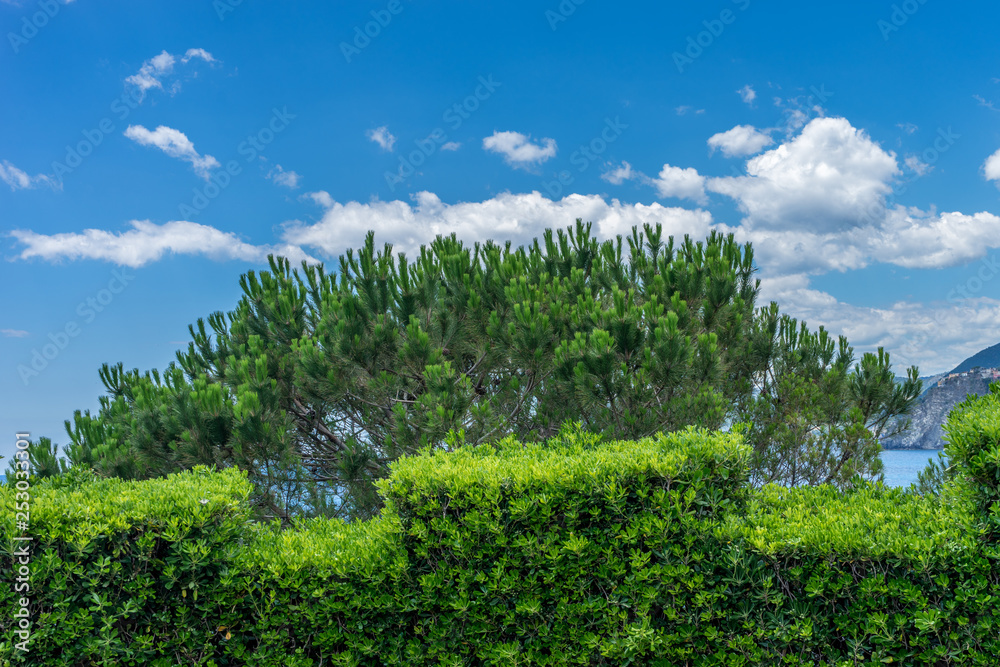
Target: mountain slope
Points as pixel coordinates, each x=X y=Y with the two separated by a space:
x=988 y=358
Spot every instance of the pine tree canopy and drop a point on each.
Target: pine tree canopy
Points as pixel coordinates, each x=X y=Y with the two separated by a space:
x=317 y=381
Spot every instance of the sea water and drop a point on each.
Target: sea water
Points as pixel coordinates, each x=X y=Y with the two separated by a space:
x=902 y=465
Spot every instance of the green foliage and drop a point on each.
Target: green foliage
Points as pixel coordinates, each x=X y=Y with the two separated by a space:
x=42 y=460
x=124 y=572
x=316 y=382
x=584 y=551
x=935 y=475
x=972 y=437
x=869 y=522
x=813 y=420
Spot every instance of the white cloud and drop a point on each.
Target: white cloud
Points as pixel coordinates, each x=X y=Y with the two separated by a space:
x=19 y=180
x=684 y=109
x=936 y=336
x=672 y=181
x=148 y=242
x=795 y=120
x=829 y=177
x=917 y=166
x=747 y=94
x=289 y=179
x=152 y=72
x=322 y=198
x=517 y=149
x=915 y=239
x=198 y=53
x=14 y=333
x=680 y=183
x=619 y=174
x=451 y=146
x=909 y=128
x=909 y=238
x=799 y=109
x=175 y=144
x=817 y=204
x=740 y=141
x=382 y=137
x=991 y=168
x=518 y=218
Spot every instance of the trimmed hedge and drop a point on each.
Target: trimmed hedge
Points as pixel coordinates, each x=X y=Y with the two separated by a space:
x=572 y=552
x=120 y=570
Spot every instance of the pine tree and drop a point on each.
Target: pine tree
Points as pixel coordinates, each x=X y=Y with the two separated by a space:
x=318 y=381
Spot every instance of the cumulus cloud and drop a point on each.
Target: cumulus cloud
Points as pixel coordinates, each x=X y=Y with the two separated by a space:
x=518 y=218
x=828 y=177
x=906 y=237
x=920 y=240
x=991 y=168
x=518 y=150
x=148 y=242
x=793 y=251
x=817 y=204
x=175 y=144
x=382 y=136
x=451 y=146
x=289 y=179
x=935 y=335
x=154 y=70
x=680 y=183
x=671 y=182
x=747 y=94
x=740 y=141
x=20 y=180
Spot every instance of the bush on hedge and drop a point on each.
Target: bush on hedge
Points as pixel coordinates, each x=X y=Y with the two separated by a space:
x=973 y=442
x=575 y=552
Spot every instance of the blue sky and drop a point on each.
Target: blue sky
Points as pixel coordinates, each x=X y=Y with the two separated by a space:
x=153 y=153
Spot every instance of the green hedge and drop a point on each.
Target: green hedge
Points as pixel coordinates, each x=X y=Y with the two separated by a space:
x=120 y=570
x=572 y=552
x=973 y=434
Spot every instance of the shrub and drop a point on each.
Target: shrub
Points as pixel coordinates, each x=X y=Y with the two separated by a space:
x=973 y=442
x=650 y=552
x=120 y=570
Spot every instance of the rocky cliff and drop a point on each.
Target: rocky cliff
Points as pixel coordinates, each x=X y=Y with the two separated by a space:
x=932 y=409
